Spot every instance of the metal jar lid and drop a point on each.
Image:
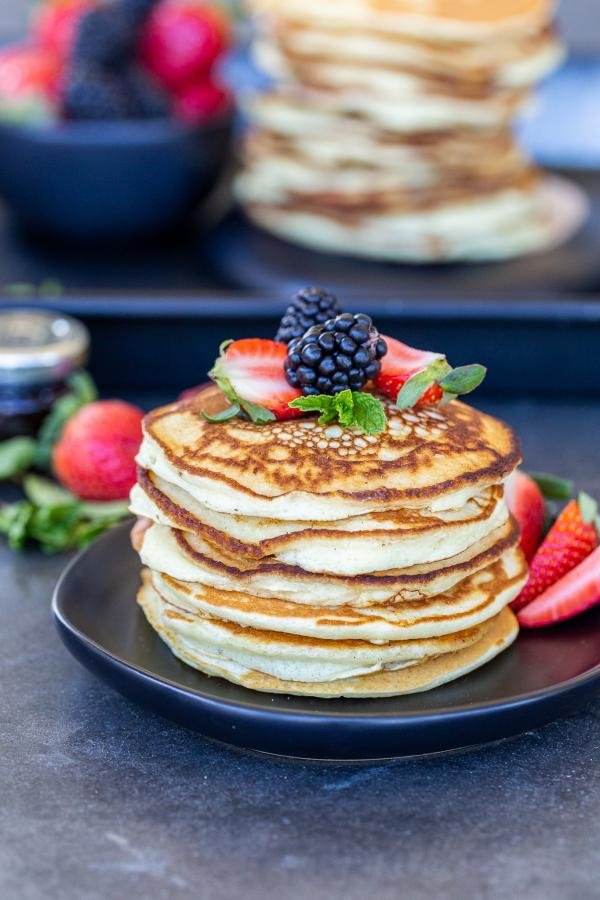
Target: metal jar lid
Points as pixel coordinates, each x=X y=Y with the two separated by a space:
x=38 y=347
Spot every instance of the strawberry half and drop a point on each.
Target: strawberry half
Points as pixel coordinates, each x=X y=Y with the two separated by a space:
x=419 y=377
x=572 y=537
x=399 y=364
x=525 y=501
x=575 y=592
x=250 y=373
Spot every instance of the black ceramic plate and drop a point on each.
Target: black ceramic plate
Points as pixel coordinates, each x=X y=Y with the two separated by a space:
x=544 y=675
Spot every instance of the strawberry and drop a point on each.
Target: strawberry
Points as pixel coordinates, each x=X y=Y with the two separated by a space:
x=55 y=22
x=525 y=501
x=201 y=102
x=95 y=456
x=419 y=377
x=572 y=537
x=250 y=373
x=182 y=40
x=27 y=72
x=575 y=592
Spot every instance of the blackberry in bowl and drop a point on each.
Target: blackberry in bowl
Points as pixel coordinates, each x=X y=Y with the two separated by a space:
x=344 y=352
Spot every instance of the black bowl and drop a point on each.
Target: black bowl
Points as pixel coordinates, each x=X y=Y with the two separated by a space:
x=109 y=180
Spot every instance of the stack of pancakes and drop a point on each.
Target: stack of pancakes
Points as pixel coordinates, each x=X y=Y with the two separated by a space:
x=387 y=129
x=309 y=559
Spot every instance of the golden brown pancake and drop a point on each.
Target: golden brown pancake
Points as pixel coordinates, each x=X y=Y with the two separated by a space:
x=424 y=457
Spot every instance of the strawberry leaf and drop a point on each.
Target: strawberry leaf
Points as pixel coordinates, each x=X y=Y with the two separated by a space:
x=16 y=456
x=418 y=384
x=256 y=413
x=352 y=409
x=463 y=379
x=224 y=415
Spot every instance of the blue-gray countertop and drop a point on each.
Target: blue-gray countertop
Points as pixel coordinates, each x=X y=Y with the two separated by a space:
x=101 y=799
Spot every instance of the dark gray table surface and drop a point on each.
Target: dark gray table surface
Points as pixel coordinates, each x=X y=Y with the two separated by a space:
x=102 y=799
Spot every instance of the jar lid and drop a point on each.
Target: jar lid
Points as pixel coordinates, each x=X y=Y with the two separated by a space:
x=38 y=346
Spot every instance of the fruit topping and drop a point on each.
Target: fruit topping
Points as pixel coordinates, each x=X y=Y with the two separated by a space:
x=572 y=594
x=201 y=102
x=182 y=40
x=55 y=23
x=95 y=456
x=572 y=537
x=343 y=353
x=250 y=374
x=311 y=306
x=414 y=377
x=93 y=93
x=29 y=78
x=525 y=501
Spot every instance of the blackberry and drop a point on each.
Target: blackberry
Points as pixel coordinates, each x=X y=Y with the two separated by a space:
x=136 y=11
x=345 y=352
x=311 y=306
x=106 y=37
x=145 y=99
x=91 y=93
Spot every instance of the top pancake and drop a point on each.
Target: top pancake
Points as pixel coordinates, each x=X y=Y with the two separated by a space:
x=445 y=19
x=435 y=457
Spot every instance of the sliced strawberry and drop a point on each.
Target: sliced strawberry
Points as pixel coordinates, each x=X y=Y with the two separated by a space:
x=55 y=22
x=571 y=538
x=399 y=364
x=27 y=71
x=525 y=501
x=575 y=592
x=253 y=367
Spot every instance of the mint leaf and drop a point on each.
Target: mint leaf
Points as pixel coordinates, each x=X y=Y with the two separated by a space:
x=412 y=390
x=16 y=456
x=224 y=415
x=343 y=404
x=352 y=409
x=463 y=379
x=323 y=403
x=552 y=488
x=369 y=413
x=14 y=519
x=43 y=492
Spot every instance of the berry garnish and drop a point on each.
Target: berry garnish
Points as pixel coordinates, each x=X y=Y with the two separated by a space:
x=105 y=37
x=250 y=374
x=352 y=409
x=343 y=353
x=182 y=40
x=145 y=98
x=526 y=502
x=95 y=456
x=201 y=102
x=55 y=23
x=27 y=72
x=311 y=306
x=92 y=93
x=572 y=594
x=414 y=377
x=572 y=537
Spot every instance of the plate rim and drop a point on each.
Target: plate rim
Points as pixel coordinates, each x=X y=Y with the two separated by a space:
x=502 y=705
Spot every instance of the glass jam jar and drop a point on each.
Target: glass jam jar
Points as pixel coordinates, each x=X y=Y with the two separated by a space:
x=38 y=352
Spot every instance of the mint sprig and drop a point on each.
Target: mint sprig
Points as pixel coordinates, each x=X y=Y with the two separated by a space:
x=453 y=382
x=352 y=409
x=253 y=411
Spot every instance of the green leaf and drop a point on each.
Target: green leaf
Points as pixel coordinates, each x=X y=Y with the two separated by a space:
x=463 y=379
x=224 y=415
x=14 y=519
x=43 y=492
x=16 y=456
x=257 y=414
x=413 y=389
x=105 y=510
x=552 y=488
x=369 y=413
x=343 y=404
x=588 y=508
x=83 y=386
x=352 y=409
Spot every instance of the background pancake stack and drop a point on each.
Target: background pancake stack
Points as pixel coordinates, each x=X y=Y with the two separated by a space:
x=303 y=558
x=387 y=129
